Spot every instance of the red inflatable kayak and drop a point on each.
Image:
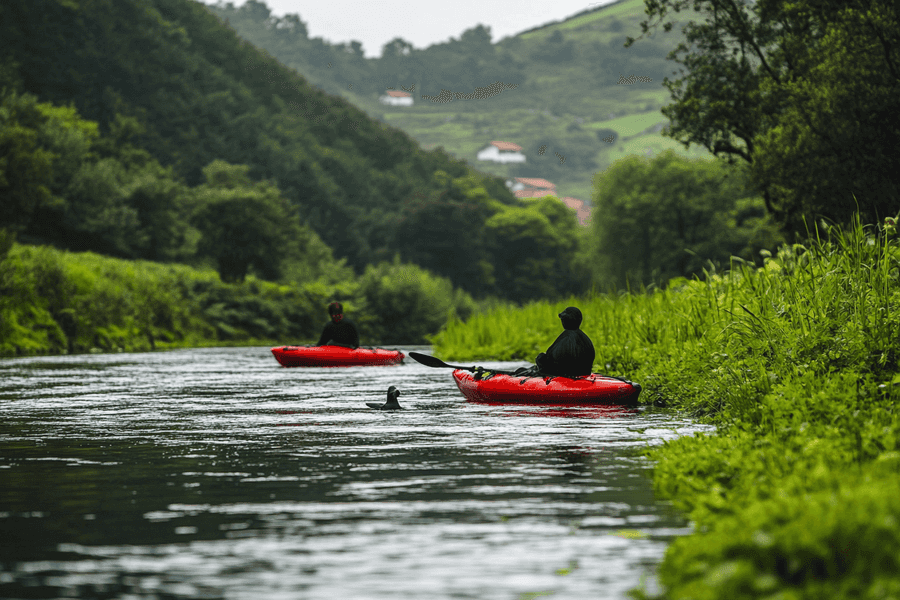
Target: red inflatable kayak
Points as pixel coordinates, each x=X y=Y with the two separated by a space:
x=560 y=391
x=335 y=356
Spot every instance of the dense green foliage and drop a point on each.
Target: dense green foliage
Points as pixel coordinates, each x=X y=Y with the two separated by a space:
x=135 y=99
x=670 y=217
x=527 y=251
x=409 y=303
x=797 y=363
x=804 y=92
x=100 y=192
x=54 y=302
x=67 y=183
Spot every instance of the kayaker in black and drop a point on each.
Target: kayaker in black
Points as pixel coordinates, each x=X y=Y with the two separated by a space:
x=572 y=353
x=340 y=331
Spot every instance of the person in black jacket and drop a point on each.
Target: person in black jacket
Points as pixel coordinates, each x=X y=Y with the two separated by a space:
x=572 y=354
x=341 y=331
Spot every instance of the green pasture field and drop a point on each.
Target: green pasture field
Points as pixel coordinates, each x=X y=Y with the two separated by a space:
x=464 y=133
x=591 y=21
x=630 y=125
x=649 y=144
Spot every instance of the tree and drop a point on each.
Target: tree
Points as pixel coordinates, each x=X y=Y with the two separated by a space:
x=555 y=49
x=162 y=213
x=404 y=303
x=255 y=11
x=96 y=216
x=567 y=276
x=26 y=171
x=780 y=86
x=395 y=48
x=243 y=224
x=443 y=232
x=666 y=217
x=293 y=25
x=527 y=250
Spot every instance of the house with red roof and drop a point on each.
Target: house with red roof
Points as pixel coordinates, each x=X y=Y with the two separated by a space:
x=531 y=187
x=397 y=98
x=502 y=152
x=535 y=187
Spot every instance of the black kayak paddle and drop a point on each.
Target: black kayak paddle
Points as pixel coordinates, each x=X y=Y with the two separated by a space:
x=430 y=361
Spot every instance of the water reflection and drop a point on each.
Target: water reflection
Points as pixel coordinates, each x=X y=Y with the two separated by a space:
x=215 y=473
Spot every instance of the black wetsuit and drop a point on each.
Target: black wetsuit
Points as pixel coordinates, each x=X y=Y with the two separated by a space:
x=340 y=334
x=572 y=354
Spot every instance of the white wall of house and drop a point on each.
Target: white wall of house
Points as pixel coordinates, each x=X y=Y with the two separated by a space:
x=495 y=154
x=405 y=101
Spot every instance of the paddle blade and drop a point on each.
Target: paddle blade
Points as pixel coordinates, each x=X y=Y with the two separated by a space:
x=430 y=361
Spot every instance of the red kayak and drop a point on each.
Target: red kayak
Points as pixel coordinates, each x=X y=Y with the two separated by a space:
x=335 y=356
x=558 y=391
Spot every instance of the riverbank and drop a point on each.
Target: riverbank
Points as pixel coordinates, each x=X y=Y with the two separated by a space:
x=796 y=363
x=58 y=302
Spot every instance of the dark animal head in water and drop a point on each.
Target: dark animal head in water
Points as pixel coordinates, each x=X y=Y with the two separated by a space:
x=570 y=317
x=391 y=403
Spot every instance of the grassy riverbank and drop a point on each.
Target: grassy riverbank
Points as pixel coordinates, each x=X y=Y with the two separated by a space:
x=798 y=494
x=56 y=302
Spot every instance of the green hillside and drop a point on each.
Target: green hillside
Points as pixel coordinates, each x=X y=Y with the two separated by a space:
x=567 y=97
x=149 y=130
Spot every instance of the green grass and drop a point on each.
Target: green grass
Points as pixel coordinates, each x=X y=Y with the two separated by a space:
x=630 y=125
x=624 y=11
x=798 y=364
x=649 y=144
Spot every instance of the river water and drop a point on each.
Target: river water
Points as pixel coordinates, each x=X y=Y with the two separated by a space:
x=216 y=473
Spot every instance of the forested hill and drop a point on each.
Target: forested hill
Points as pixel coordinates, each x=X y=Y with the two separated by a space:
x=168 y=78
x=570 y=97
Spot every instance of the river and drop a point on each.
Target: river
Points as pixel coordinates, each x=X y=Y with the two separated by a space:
x=216 y=473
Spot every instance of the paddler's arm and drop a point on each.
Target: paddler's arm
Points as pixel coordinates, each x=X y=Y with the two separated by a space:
x=326 y=335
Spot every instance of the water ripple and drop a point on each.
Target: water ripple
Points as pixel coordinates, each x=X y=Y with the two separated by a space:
x=215 y=473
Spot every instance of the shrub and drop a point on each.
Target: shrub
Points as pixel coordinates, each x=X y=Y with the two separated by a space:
x=404 y=303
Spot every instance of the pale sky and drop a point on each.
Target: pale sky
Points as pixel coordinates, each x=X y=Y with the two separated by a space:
x=420 y=22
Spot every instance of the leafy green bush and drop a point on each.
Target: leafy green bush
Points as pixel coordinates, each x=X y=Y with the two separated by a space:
x=404 y=303
x=58 y=302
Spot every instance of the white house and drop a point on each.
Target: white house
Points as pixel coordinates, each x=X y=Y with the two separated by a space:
x=502 y=152
x=397 y=98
